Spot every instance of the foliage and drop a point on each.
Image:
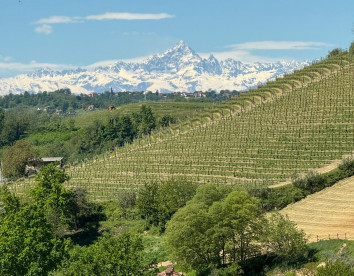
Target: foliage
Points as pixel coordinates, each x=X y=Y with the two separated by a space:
x=83 y=214
x=9 y=203
x=281 y=237
x=28 y=245
x=158 y=202
x=335 y=269
x=199 y=236
x=231 y=270
x=351 y=49
x=14 y=158
x=335 y=52
x=121 y=255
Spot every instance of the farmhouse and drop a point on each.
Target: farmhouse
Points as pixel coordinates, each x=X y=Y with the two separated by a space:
x=34 y=165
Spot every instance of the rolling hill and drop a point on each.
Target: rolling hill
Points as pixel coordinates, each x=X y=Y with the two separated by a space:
x=297 y=123
x=294 y=124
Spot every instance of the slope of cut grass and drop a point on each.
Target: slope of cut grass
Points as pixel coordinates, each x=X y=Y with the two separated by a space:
x=327 y=213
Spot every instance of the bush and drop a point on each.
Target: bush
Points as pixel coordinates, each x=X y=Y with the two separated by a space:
x=335 y=269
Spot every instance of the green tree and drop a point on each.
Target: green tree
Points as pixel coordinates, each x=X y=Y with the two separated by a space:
x=173 y=195
x=238 y=220
x=351 y=49
x=122 y=255
x=158 y=202
x=28 y=245
x=9 y=203
x=50 y=195
x=281 y=237
x=146 y=120
x=147 y=202
x=2 y=117
x=187 y=240
x=335 y=52
x=206 y=233
x=14 y=158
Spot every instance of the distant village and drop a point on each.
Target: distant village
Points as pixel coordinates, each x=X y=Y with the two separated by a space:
x=110 y=99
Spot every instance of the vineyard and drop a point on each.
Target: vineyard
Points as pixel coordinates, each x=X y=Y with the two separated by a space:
x=327 y=214
x=294 y=124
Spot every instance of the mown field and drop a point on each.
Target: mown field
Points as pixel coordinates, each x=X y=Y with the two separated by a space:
x=297 y=123
x=328 y=214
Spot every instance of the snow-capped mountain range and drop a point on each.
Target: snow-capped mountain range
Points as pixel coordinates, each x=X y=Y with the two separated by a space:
x=177 y=69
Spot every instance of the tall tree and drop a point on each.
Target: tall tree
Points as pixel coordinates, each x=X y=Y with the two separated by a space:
x=14 y=158
x=50 y=195
x=28 y=245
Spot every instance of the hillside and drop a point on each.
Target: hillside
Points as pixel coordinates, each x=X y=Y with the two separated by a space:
x=326 y=214
x=295 y=124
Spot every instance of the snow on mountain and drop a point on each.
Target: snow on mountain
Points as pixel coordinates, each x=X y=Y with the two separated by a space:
x=177 y=69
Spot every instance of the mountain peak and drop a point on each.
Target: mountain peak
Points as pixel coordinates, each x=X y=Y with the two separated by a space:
x=182 y=47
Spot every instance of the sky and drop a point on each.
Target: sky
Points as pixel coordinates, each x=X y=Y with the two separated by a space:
x=66 y=34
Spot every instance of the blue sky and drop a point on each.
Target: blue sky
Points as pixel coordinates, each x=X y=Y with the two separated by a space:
x=71 y=33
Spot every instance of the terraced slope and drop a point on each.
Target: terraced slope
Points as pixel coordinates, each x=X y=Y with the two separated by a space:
x=297 y=123
x=327 y=213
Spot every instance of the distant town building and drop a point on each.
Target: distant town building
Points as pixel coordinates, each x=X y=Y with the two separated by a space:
x=49 y=109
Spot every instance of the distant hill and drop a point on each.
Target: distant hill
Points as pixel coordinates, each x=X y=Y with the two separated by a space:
x=177 y=69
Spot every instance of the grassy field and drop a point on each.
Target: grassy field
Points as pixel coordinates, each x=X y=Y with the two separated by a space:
x=326 y=214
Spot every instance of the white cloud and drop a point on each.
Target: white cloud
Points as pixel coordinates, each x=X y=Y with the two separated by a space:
x=4 y=58
x=243 y=51
x=278 y=45
x=59 y=20
x=8 y=69
x=44 y=29
x=241 y=55
x=129 y=16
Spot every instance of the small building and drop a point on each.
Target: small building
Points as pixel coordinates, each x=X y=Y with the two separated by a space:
x=34 y=165
x=49 y=109
x=91 y=107
x=92 y=94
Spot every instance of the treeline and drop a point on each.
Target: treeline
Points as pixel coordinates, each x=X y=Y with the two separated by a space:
x=17 y=123
x=119 y=130
x=63 y=139
x=64 y=100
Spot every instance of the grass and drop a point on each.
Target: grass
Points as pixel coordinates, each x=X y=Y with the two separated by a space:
x=327 y=213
